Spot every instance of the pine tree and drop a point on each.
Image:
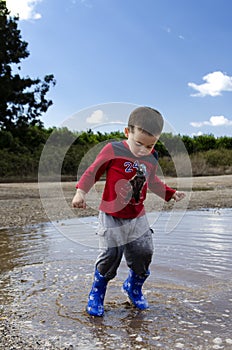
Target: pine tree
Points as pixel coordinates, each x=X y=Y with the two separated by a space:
x=22 y=99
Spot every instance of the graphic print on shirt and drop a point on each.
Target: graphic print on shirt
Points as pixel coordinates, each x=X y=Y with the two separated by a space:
x=129 y=166
x=137 y=182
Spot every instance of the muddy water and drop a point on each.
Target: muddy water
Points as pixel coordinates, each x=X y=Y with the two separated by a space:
x=46 y=274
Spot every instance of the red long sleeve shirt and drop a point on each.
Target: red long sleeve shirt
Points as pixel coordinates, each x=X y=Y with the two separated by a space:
x=120 y=165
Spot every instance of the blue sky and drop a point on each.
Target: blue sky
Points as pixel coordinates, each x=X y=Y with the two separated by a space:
x=173 y=55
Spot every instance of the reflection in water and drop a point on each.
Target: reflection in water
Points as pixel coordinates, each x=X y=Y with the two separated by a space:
x=45 y=279
x=194 y=247
x=20 y=247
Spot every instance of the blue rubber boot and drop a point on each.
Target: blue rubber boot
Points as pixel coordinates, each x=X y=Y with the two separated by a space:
x=96 y=296
x=133 y=288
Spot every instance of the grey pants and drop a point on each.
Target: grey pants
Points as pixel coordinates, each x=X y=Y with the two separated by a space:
x=131 y=237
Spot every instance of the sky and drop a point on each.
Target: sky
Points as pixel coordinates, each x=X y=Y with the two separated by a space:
x=110 y=56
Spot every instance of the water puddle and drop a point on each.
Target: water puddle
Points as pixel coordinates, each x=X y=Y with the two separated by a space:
x=46 y=274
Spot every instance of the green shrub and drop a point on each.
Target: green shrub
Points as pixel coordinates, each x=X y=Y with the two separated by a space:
x=219 y=157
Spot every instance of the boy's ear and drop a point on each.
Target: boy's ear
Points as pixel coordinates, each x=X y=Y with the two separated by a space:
x=126 y=131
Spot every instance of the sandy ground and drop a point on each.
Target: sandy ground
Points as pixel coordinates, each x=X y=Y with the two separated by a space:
x=47 y=293
x=20 y=203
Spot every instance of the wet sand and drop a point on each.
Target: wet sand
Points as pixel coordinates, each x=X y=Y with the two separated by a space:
x=46 y=275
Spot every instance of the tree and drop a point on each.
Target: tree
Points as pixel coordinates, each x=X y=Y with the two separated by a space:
x=22 y=100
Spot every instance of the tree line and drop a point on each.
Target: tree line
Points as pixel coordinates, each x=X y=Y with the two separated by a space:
x=20 y=153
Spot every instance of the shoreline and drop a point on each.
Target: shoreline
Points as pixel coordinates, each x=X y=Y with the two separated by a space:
x=21 y=203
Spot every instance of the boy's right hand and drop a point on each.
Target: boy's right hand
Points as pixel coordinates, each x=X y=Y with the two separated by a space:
x=79 y=200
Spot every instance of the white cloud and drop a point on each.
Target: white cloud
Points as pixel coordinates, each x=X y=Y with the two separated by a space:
x=25 y=9
x=217 y=120
x=170 y=31
x=215 y=84
x=167 y=29
x=97 y=116
x=199 y=133
x=85 y=3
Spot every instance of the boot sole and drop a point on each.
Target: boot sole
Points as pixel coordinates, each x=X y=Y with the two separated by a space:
x=124 y=291
x=93 y=314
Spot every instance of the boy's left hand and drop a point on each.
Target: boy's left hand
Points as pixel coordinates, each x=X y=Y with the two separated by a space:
x=177 y=196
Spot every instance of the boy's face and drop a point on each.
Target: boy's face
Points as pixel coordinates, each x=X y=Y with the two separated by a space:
x=140 y=144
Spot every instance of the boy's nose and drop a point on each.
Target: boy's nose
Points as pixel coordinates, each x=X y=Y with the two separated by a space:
x=143 y=150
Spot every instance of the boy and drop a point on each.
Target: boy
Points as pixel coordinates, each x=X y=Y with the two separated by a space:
x=130 y=168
